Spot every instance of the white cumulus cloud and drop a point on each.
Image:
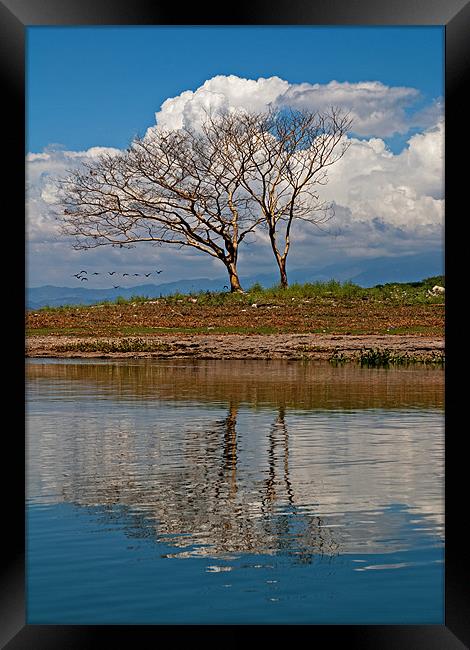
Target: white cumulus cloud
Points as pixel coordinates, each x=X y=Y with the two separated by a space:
x=404 y=190
x=376 y=109
x=41 y=171
x=221 y=93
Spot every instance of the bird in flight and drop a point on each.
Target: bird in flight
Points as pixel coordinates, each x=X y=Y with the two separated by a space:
x=157 y=272
x=95 y=273
x=116 y=287
x=83 y=271
x=76 y=275
x=136 y=273
x=125 y=274
x=84 y=279
x=147 y=274
x=111 y=272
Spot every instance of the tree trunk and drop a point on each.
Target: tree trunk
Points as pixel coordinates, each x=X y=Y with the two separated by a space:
x=282 y=271
x=281 y=262
x=280 y=259
x=235 y=285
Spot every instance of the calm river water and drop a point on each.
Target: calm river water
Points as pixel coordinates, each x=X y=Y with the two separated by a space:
x=179 y=491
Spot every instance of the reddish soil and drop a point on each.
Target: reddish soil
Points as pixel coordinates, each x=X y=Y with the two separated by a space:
x=326 y=316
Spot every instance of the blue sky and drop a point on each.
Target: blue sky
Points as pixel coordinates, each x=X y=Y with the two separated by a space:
x=91 y=87
x=102 y=85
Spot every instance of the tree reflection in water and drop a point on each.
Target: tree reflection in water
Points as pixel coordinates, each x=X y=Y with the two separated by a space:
x=199 y=485
x=188 y=508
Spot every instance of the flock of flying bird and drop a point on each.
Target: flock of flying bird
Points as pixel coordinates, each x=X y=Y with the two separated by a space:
x=81 y=277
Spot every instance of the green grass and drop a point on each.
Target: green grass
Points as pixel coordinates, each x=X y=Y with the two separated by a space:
x=338 y=358
x=412 y=329
x=59 y=308
x=136 y=331
x=272 y=295
x=385 y=358
x=46 y=331
x=409 y=293
x=105 y=303
x=128 y=301
x=398 y=293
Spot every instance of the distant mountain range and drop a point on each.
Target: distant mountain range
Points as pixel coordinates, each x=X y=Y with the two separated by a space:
x=365 y=273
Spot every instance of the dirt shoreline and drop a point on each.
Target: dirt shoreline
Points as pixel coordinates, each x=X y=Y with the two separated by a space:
x=235 y=346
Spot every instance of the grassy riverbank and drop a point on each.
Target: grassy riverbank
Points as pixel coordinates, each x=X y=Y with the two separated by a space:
x=394 y=324
x=321 y=308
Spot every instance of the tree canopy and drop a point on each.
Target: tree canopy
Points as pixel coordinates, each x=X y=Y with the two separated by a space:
x=208 y=187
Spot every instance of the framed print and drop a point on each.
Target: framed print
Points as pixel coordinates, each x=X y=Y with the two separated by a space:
x=237 y=336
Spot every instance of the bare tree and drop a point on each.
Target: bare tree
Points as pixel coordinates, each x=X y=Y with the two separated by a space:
x=285 y=156
x=208 y=188
x=170 y=187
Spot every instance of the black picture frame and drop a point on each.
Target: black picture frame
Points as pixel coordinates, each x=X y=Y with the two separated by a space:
x=15 y=17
